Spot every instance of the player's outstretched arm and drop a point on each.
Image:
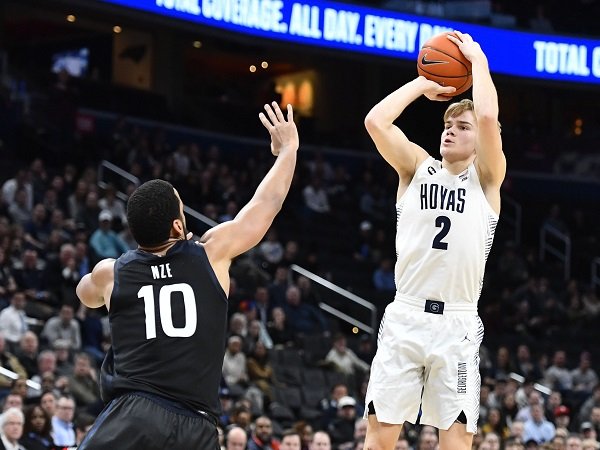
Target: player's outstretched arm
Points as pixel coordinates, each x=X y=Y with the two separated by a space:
x=402 y=154
x=230 y=239
x=92 y=287
x=490 y=162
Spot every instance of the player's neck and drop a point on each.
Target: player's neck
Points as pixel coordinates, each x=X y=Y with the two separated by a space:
x=162 y=249
x=457 y=167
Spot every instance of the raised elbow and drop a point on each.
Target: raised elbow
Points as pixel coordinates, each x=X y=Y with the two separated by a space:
x=372 y=122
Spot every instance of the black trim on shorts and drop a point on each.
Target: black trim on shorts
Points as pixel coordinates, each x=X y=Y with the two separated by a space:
x=462 y=418
x=371 y=409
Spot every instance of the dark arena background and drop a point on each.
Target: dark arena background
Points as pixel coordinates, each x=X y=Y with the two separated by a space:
x=98 y=96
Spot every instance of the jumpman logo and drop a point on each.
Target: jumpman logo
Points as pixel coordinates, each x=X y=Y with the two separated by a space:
x=466 y=338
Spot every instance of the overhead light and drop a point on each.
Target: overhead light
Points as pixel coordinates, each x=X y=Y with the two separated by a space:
x=252 y=68
x=197 y=44
x=71 y=18
x=117 y=29
x=264 y=64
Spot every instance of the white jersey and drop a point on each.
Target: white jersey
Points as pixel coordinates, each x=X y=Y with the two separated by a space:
x=445 y=230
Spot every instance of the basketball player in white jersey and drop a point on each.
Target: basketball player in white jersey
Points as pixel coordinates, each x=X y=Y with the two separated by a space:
x=447 y=212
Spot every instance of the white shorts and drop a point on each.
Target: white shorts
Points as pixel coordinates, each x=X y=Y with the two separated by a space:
x=428 y=361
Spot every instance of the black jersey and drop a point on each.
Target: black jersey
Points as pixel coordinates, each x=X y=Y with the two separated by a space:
x=168 y=319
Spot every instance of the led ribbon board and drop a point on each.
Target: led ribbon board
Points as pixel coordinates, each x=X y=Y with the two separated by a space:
x=384 y=32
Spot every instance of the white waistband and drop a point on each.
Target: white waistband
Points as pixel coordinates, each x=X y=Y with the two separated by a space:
x=419 y=303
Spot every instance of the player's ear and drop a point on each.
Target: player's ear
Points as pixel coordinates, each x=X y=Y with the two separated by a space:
x=177 y=228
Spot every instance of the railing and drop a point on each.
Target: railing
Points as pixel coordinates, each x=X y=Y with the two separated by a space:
x=513 y=216
x=562 y=254
x=595 y=278
x=368 y=328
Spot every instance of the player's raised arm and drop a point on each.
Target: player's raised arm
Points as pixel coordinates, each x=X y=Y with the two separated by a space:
x=490 y=162
x=230 y=239
x=92 y=287
x=402 y=154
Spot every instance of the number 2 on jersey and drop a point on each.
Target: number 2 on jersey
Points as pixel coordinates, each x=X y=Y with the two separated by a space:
x=166 y=314
x=444 y=223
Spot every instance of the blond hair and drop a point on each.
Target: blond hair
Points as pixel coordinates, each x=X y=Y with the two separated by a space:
x=456 y=109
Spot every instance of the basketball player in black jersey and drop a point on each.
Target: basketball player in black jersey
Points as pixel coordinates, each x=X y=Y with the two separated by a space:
x=167 y=304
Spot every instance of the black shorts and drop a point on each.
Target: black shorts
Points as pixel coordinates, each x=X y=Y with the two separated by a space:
x=145 y=422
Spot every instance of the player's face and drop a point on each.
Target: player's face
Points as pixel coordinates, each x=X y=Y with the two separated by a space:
x=458 y=137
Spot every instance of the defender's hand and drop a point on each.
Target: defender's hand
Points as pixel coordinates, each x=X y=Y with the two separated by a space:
x=284 y=135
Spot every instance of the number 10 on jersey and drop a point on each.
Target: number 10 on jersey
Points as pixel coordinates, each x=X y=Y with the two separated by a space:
x=166 y=314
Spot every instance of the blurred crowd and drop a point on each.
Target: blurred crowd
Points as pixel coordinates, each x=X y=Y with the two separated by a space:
x=293 y=376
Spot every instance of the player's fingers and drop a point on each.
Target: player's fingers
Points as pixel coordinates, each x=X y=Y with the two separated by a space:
x=290 y=113
x=265 y=121
x=278 y=112
x=271 y=114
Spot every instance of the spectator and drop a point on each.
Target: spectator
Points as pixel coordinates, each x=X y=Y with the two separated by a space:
x=64 y=366
x=236 y=439
x=262 y=304
x=63 y=275
x=290 y=441
x=561 y=417
x=83 y=384
x=588 y=431
x=18 y=210
x=63 y=431
x=524 y=364
x=30 y=275
x=104 y=241
x=270 y=251
x=21 y=181
x=584 y=377
x=302 y=318
x=27 y=353
x=428 y=439
x=8 y=284
x=538 y=428
x=260 y=371
x=12 y=429
x=111 y=203
x=306 y=432
x=83 y=424
x=89 y=216
x=64 y=327
x=278 y=329
x=278 y=287
x=492 y=440
x=557 y=376
x=37 y=433
x=9 y=362
x=13 y=320
x=384 y=277
x=574 y=442
x=341 y=429
x=262 y=436
x=589 y=444
x=495 y=424
x=234 y=366
x=12 y=400
x=320 y=441
x=94 y=340
x=316 y=200
x=48 y=402
x=344 y=359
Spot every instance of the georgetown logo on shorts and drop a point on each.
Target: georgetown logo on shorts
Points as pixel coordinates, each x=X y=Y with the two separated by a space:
x=461 y=386
x=434 y=307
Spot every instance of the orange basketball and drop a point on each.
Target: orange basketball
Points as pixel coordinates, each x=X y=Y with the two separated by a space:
x=440 y=60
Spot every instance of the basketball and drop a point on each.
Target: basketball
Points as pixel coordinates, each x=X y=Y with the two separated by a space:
x=441 y=60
